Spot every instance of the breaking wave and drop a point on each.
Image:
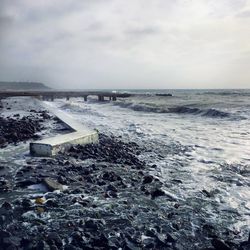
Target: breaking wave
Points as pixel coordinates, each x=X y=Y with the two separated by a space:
x=212 y=113
x=226 y=93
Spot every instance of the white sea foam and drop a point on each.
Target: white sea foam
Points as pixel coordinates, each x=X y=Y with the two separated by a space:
x=202 y=148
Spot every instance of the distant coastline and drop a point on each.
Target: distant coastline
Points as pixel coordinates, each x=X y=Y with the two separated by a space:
x=5 y=85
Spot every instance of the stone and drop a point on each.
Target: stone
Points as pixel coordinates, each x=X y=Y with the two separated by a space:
x=219 y=244
x=91 y=224
x=147 y=179
x=6 y=205
x=156 y=193
x=54 y=238
x=52 y=184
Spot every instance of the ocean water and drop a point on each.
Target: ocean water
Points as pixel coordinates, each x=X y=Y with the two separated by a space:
x=199 y=140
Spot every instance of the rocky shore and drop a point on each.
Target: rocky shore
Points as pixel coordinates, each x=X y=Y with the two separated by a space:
x=98 y=196
x=16 y=129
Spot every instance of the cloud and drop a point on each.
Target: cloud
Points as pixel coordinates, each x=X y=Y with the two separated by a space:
x=142 y=31
x=115 y=43
x=244 y=14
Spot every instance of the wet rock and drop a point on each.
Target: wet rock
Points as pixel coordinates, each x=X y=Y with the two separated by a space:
x=11 y=242
x=111 y=176
x=4 y=234
x=26 y=203
x=151 y=232
x=110 y=194
x=245 y=245
x=108 y=149
x=220 y=244
x=18 y=129
x=26 y=183
x=4 y=185
x=6 y=205
x=156 y=193
x=111 y=188
x=147 y=179
x=209 y=230
x=52 y=184
x=53 y=247
x=54 y=239
x=77 y=191
x=177 y=181
x=42 y=245
x=207 y=193
x=2 y=141
x=52 y=203
x=171 y=238
x=91 y=224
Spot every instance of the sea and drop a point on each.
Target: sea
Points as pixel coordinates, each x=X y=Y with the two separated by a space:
x=198 y=139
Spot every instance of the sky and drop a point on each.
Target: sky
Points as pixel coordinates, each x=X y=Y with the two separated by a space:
x=117 y=44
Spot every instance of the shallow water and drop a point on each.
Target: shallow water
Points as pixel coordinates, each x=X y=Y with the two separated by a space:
x=199 y=140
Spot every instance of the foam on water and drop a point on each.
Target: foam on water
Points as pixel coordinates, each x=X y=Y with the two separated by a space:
x=201 y=149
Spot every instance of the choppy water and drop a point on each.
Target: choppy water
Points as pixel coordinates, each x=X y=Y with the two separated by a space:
x=200 y=139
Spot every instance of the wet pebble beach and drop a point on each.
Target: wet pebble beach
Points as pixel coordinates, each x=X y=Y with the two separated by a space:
x=97 y=196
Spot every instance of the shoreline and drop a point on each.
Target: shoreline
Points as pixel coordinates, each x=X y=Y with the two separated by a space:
x=104 y=197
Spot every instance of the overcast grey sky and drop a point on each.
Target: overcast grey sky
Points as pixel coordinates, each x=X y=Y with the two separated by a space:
x=126 y=43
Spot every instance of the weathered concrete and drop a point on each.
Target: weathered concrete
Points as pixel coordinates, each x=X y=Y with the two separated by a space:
x=52 y=94
x=51 y=146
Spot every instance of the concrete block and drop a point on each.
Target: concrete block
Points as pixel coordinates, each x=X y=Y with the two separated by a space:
x=51 y=146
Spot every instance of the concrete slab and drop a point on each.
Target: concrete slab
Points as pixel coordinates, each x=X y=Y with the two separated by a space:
x=51 y=146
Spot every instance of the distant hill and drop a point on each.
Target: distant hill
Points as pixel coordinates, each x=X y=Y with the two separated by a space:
x=22 y=86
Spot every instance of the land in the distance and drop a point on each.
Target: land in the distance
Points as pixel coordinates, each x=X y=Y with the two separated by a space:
x=5 y=85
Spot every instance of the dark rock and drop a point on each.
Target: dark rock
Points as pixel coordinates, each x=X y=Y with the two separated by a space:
x=26 y=183
x=42 y=245
x=110 y=194
x=2 y=140
x=52 y=203
x=53 y=247
x=6 y=205
x=245 y=245
x=177 y=181
x=54 y=239
x=220 y=244
x=151 y=232
x=26 y=203
x=4 y=185
x=205 y=192
x=14 y=130
x=91 y=224
x=4 y=234
x=209 y=230
x=156 y=193
x=111 y=188
x=111 y=176
x=171 y=238
x=147 y=179
x=11 y=242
